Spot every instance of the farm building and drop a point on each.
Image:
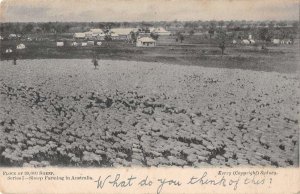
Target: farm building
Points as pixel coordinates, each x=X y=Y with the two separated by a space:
x=161 y=31
x=95 y=34
x=88 y=35
x=114 y=36
x=84 y=44
x=122 y=33
x=79 y=35
x=1 y=37
x=145 y=42
x=100 y=37
x=21 y=46
x=97 y=31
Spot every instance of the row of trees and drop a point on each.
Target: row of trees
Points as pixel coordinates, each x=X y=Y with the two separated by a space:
x=62 y=27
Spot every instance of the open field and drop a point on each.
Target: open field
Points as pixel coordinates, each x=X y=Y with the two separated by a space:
x=126 y=113
x=281 y=58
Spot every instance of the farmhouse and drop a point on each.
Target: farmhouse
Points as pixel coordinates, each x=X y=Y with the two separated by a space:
x=95 y=34
x=145 y=42
x=21 y=46
x=122 y=33
x=88 y=35
x=79 y=35
x=100 y=37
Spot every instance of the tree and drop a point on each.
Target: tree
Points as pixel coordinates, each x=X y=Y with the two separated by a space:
x=46 y=27
x=133 y=36
x=154 y=36
x=211 y=30
x=265 y=34
x=180 y=37
x=28 y=28
x=191 y=32
x=107 y=37
x=222 y=38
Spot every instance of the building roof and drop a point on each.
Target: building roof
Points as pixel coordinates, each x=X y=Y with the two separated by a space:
x=79 y=35
x=122 y=31
x=146 y=39
x=88 y=33
x=96 y=30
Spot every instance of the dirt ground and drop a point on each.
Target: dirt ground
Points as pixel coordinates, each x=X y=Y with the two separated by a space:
x=63 y=112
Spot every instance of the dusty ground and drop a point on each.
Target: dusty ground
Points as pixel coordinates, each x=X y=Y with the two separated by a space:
x=63 y=112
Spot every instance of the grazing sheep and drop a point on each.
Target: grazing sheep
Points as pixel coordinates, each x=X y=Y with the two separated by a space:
x=245 y=41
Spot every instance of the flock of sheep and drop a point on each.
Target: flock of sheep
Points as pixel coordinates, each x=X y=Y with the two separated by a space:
x=65 y=113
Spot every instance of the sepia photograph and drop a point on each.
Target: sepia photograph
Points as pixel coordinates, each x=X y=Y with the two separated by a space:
x=150 y=83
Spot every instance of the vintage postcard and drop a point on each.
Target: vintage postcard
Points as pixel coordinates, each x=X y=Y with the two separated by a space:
x=149 y=96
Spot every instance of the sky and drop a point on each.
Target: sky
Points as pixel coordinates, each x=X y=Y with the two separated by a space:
x=146 y=10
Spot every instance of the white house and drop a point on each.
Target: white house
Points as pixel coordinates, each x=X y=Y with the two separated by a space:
x=234 y=42
x=161 y=31
x=99 y=43
x=145 y=42
x=59 y=44
x=83 y=44
x=1 y=38
x=79 y=35
x=21 y=46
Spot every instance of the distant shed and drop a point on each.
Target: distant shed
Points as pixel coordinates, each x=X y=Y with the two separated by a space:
x=79 y=35
x=59 y=44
